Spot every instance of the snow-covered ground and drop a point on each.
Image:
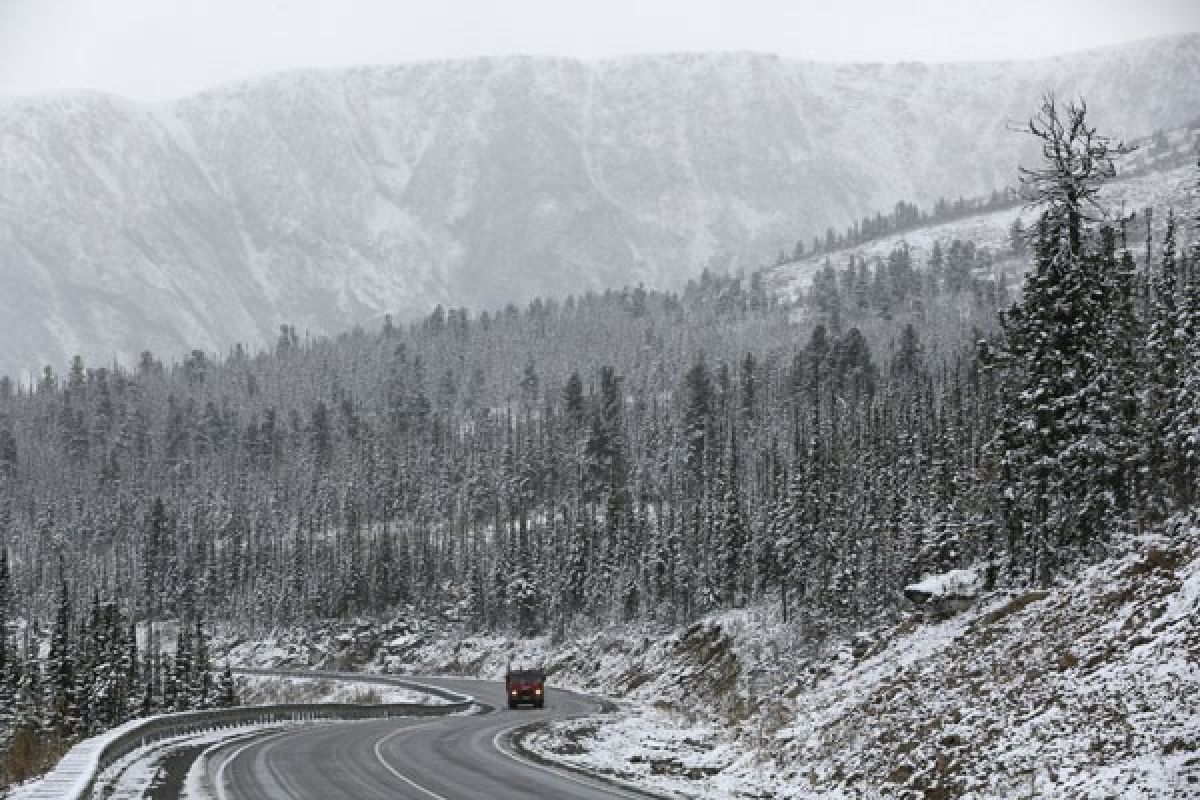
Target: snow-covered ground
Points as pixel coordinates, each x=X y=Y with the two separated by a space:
x=1090 y=689
x=133 y=776
x=269 y=690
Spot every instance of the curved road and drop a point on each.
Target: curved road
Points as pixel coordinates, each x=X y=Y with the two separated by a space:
x=419 y=758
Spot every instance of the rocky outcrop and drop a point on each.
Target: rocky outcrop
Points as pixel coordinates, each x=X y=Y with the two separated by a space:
x=946 y=594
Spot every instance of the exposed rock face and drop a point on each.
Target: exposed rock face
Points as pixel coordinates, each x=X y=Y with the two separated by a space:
x=325 y=199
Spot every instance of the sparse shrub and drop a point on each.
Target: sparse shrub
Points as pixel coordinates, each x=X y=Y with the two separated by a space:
x=1066 y=660
x=29 y=755
x=1156 y=559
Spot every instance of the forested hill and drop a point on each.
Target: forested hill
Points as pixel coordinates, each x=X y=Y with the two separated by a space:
x=326 y=199
x=622 y=452
x=609 y=456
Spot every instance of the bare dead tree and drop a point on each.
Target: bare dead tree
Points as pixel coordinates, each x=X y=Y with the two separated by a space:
x=1077 y=161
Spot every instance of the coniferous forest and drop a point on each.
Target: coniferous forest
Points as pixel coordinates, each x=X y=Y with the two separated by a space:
x=632 y=456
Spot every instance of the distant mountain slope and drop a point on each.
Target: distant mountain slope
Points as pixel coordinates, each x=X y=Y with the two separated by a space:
x=1174 y=188
x=324 y=199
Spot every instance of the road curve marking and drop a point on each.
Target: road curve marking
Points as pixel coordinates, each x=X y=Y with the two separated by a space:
x=398 y=773
x=594 y=785
x=257 y=740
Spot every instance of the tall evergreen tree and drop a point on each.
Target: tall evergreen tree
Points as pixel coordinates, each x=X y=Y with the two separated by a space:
x=698 y=421
x=60 y=667
x=1059 y=351
x=8 y=657
x=1182 y=429
x=201 y=685
x=226 y=689
x=732 y=536
x=1165 y=354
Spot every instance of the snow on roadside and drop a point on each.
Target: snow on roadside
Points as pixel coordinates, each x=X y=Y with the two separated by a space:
x=271 y=690
x=74 y=770
x=133 y=775
x=136 y=770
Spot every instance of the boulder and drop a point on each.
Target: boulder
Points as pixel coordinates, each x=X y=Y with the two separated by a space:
x=947 y=593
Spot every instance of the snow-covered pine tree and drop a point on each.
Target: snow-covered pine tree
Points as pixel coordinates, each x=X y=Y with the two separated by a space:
x=13 y=677
x=155 y=534
x=93 y=678
x=382 y=570
x=1182 y=432
x=631 y=587
x=184 y=665
x=573 y=399
x=697 y=425
x=226 y=689
x=31 y=692
x=131 y=672
x=60 y=686
x=805 y=522
x=526 y=593
x=201 y=687
x=1164 y=365
x=662 y=578
x=1104 y=459
x=152 y=674
x=732 y=537
x=107 y=680
x=748 y=402
x=786 y=539
x=1052 y=436
x=474 y=588
x=168 y=698
x=501 y=579
x=8 y=656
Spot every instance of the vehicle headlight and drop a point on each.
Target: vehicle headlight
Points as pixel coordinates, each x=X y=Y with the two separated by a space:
x=537 y=691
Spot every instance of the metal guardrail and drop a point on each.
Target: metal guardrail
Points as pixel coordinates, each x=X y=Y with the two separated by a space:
x=74 y=778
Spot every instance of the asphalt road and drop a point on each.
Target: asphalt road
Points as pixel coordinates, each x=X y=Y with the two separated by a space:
x=425 y=758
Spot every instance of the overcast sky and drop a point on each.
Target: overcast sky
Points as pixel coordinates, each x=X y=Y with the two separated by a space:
x=156 y=49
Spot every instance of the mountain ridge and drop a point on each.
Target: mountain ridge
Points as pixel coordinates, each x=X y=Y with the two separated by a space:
x=328 y=198
x=233 y=83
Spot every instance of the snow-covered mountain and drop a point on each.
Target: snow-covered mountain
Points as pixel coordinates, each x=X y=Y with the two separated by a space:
x=325 y=199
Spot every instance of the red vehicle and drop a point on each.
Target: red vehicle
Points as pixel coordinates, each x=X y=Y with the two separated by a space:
x=525 y=686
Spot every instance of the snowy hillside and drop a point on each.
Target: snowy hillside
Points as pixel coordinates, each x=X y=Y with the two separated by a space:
x=1089 y=689
x=1173 y=188
x=325 y=199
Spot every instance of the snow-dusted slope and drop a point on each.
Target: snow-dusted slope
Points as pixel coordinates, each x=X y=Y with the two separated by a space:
x=1168 y=189
x=328 y=198
x=1090 y=689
